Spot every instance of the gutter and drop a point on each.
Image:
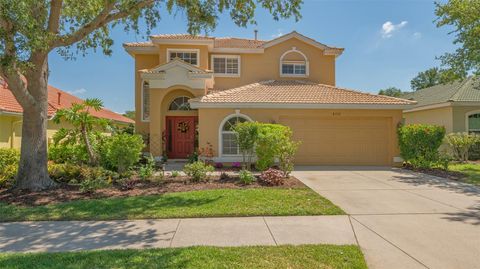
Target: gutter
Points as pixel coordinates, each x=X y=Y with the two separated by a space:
x=196 y=104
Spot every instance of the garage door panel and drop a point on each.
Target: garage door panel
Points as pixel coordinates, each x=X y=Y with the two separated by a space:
x=353 y=141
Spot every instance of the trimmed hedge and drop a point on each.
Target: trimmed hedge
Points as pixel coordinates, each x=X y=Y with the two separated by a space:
x=419 y=144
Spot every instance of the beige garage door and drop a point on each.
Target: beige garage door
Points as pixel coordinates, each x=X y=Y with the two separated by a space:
x=352 y=141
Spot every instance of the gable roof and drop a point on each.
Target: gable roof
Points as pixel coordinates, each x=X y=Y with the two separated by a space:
x=467 y=90
x=175 y=62
x=221 y=43
x=297 y=94
x=57 y=99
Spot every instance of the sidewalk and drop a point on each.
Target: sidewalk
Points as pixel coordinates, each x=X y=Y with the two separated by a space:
x=88 y=235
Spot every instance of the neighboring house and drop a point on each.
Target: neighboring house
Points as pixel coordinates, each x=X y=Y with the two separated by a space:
x=195 y=88
x=11 y=115
x=456 y=106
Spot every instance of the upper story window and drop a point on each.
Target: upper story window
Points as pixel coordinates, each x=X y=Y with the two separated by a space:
x=180 y=103
x=226 y=65
x=189 y=56
x=294 y=63
x=473 y=121
x=145 y=101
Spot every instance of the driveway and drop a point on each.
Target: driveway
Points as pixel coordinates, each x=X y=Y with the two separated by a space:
x=403 y=219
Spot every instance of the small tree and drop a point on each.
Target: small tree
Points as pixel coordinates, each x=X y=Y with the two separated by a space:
x=286 y=154
x=78 y=115
x=247 y=134
x=461 y=144
x=419 y=143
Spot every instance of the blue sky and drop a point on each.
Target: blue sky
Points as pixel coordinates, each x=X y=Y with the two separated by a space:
x=386 y=44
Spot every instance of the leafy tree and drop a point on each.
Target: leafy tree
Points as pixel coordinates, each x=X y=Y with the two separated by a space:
x=78 y=115
x=434 y=76
x=246 y=134
x=31 y=29
x=130 y=114
x=463 y=16
x=391 y=91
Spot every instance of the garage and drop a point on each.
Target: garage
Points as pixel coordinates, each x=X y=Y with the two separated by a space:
x=340 y=141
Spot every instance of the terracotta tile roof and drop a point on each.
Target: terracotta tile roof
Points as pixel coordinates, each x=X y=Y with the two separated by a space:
x=139 y=44
x=183 y=36
x=8 y=103
x=297 y=92
x=227 y=42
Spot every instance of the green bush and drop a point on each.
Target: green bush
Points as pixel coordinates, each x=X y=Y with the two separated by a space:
x=69 y=173
x=91 y=185
x=461 y=143
x=419 y=144
x=198 y=171
x=67 y=153
x=121 y=151
x=146 y=171
x=272 y=177
x=9 y=159
x=175 y=173
x=246 y=177
x=247 y=136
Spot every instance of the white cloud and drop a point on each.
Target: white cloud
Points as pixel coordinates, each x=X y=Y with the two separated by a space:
x=388 y=28
x=77 y=91
x=417 y=35
x=278 y=34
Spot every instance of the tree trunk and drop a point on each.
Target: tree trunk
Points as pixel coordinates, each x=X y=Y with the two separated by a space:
x=91 y=153
x=32 y=171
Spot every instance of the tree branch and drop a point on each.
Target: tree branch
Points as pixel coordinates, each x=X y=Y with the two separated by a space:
x=102 y=19
x=54 y=19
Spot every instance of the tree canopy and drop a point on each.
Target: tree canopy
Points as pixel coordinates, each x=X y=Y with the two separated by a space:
x=432 y=77
x=391 y=91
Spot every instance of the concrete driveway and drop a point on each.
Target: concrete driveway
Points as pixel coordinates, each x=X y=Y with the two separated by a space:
x=403 y=219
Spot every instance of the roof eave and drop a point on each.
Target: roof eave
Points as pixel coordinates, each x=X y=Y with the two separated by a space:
x=199 y=104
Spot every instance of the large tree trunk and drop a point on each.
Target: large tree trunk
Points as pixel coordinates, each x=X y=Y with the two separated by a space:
x=32 y=171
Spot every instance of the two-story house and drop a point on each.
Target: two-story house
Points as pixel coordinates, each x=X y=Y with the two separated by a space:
x=191 y=90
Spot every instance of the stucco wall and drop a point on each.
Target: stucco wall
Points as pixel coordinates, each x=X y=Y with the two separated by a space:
x=5 y=131
x=142 y=61
x=210 y=120
x=459 y=117
x=438 y=116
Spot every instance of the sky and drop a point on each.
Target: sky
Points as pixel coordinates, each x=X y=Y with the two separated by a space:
x=386 y=44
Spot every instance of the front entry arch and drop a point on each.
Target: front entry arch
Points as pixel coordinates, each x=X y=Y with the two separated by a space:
x=181 y=132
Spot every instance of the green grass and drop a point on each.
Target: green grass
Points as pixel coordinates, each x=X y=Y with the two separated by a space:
x=206 y=203
x=306 y=256
x=470 y=169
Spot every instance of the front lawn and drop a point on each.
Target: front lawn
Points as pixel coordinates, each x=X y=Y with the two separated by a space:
x=471 y=170
x=204 y=203
x=306 y=256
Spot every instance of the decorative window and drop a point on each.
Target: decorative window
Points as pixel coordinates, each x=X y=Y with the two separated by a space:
x=474 y=123
x=145 y=101
x=293 y=63
x=229 y=144
x=189 y=56
x=226 y=65
x=180 y=103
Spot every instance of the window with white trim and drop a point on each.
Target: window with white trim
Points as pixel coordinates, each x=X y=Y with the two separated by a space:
x=294 y=68
x=229 y=138
x=227 y=65
x=293 y=63
x=145 y=101
x=474 y=123
x=190 y=56
x=180 y=103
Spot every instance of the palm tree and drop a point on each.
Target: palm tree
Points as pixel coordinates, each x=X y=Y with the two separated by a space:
x=78 y=115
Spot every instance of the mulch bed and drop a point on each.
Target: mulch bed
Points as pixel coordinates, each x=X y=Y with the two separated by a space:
x=453 y=175
x=66 y=192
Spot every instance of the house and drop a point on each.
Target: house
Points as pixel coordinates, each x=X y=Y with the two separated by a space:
x=456 y=106
x=190 y=90
x=11 y=115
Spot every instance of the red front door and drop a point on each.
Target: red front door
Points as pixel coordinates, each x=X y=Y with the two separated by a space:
x=180 y=136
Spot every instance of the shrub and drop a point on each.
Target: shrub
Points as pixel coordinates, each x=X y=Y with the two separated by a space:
x=175 y=174
x=198 y=171
x=461 y=144
x=146 y=171
x=270 y=137
x=91 y=185
x=219 y=165
x=419 y=144
x=9 y=159
x=69 y=173
x=246 y=135
x=246 y=177
x=224 y=176
x=236 y=165
x=122 y=151
x=272 y=177
x=286 y=154
x=127 y=184
x=67 y=153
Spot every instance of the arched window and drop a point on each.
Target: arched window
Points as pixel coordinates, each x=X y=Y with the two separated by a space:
x=473 y=122
x=145 y=101
x=293 y=63
x=180 y=103
x=228 y=140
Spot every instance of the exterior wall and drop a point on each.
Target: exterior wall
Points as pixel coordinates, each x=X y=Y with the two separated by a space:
x=142 y=61
x=266 y=66
x=439 y=116
x=459 y=117
x=160 y=100
x=210 y=120
x=6 y=131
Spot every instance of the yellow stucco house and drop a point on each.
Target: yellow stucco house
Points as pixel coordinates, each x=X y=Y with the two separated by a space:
x=190 y=90
x=11 y=115
x=456 y=106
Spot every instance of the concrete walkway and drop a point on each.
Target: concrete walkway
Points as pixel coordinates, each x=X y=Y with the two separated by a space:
x=404 y=219
x=88 y=235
